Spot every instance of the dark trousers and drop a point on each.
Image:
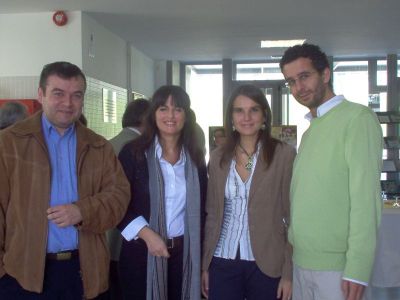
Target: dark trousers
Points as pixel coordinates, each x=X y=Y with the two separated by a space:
x=62 y=281
x=238 y=280
x=115 y=288
x=133 y=271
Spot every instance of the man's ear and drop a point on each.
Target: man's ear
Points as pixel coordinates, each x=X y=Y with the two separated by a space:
x=40 y=95
x=326 y=75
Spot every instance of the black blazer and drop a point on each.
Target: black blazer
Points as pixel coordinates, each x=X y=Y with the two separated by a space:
x=138 y=175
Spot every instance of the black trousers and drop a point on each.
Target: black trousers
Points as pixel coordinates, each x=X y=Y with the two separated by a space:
x=115 y=288
x=133 y=271
x=237 y=279
x=62 y=281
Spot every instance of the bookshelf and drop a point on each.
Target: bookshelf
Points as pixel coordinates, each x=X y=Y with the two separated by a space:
x=388 y=117
x=391 y=165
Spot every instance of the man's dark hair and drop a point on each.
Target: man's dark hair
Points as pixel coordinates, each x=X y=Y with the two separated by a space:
x=219 y=129
x=135 y=112
x=62 y=69
x=313 y=52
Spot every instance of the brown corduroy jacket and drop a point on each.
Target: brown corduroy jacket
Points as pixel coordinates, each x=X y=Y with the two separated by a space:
x=25 y=176
x=268 y=206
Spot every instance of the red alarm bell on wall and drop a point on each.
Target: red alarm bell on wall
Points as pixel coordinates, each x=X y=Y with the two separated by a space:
x=60 y=18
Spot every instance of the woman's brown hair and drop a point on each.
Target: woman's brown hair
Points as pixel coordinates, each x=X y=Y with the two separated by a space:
x=268 y=143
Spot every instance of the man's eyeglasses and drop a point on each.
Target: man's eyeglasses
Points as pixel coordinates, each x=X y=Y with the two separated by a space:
x=302 y=78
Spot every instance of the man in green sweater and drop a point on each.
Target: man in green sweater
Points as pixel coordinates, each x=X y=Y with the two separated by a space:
x=335 y=189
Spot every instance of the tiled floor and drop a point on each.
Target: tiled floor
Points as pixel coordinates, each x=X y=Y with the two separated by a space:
x=385 y=293
x=382 y=294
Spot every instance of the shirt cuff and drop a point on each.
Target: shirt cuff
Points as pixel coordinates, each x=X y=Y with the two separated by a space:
x=356 y=281
x=131 y=231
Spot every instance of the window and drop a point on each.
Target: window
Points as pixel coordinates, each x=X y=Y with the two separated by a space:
x=398 y=67
x=204 y=86
x=258 y=71
x=350 y=78
x=381 y=78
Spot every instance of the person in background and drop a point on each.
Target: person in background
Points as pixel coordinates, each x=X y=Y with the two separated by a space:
x=335 y=189
x=246 y=254
x=12 y=112
x=219 y=137
x=198 y=131
x=133 y=121
x=62 y=187
x=160 y=254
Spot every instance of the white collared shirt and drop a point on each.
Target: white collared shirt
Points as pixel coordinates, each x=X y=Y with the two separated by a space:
x=235 y=227
x=174 y=198
x=174 y=192
x=325 y=107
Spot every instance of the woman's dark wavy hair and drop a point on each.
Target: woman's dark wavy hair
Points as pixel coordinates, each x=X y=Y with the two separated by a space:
x=188 y=137
x=268 y=143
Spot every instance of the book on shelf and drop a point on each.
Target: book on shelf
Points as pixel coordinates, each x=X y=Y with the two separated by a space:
x=285 y=133
x=394 y=116
x=388 y=116
x=383 y=117
x=388 y=166
x=392 y=142
x=389 y=186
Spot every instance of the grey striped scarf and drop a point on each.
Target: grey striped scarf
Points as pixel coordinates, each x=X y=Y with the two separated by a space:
x=157 y=281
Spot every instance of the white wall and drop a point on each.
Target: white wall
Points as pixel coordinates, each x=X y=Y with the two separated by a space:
x=142 y=76
x=109 y=63
x=160 y=72
x=29 y=41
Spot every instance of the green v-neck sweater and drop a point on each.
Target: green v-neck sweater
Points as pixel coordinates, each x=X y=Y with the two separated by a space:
x=335 y=192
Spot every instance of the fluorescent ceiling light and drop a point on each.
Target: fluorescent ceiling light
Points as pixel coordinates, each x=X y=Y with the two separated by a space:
x=281 y=43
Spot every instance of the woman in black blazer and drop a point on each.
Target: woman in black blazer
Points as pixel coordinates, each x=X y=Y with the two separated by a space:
x=160 y=254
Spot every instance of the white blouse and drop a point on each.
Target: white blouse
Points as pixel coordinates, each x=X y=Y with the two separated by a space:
x=235 y=226
x=174 y=199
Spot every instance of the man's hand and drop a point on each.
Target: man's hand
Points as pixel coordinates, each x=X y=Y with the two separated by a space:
x=352 y=290
x=64 y=215
x=155 y=244
x=284 y=289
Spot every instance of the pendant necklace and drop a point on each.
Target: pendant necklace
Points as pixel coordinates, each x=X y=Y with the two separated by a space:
x=249 y=163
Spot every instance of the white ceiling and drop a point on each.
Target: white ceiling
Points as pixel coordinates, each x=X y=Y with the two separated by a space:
x=199 y=30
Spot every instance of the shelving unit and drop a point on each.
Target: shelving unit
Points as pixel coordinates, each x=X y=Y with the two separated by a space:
x=391 y=164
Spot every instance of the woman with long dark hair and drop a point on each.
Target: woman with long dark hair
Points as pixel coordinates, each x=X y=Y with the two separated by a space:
x=160 y=254
x=246 y=253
